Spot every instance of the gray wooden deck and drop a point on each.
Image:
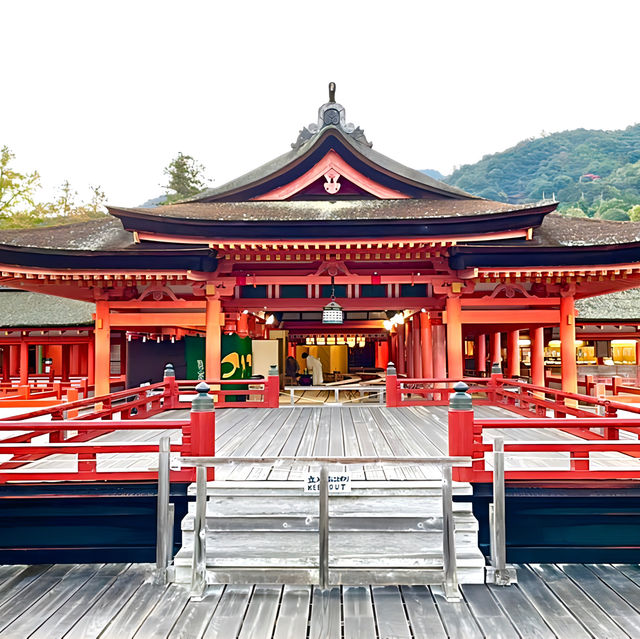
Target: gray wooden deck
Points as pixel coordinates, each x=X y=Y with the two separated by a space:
x=118 y=601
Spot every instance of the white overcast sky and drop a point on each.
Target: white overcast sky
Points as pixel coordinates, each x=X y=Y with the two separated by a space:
x=108 y=92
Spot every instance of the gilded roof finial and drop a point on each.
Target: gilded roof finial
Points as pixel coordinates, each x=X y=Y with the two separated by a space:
x=332 y=91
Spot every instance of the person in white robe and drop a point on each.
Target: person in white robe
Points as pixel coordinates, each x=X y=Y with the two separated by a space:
x=314 y=365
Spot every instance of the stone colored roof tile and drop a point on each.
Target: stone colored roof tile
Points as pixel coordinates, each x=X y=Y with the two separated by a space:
x=559 y=230
x=26 y=309
x=323 y=210
x=621 y=305
x=102 y=234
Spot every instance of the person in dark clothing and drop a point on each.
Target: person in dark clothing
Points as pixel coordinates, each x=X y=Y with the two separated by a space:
x=291 y=369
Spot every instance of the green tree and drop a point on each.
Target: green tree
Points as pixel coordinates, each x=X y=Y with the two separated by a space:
x=574 y=212
x=65 y=204
x=96 y=205
x=186 y=178
x=634 y=213
x=615 y=214
x=16 y=189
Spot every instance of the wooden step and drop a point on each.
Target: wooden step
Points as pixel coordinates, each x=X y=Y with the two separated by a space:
x=387 y=532
x=339 y=506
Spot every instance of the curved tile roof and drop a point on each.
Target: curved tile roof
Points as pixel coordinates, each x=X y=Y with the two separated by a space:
x=20 y=309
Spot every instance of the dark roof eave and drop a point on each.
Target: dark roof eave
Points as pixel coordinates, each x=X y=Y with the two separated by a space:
x=463 y=257
x=142 y=260
x=317 y=228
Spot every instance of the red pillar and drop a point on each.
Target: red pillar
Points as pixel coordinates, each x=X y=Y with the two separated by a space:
x=82 y=360
x=24 y=363
x=91 y=362
x=410 y=338
x=439 y=351
x=393 y=347
x=455 y=357
x=569 y=366
x=66 y=362
x=383 y=354
x=6 y=363
x=401 y=364
x=417 y=355
x=123 y=353
x=74 y=359
x=537 y=356
x=481 y=353
x=14 y=360
x=102 y=335
x=513 y=354
x=426 y=345
x=495 y=348
x=212 y=338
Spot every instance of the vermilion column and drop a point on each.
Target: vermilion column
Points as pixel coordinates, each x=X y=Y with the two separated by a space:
x=383 y=354
x=481 y=353
x=401 y=364
x=24 y=362
x=102 y=349
x=426 y=346
x=537 y=356
x=123 y=353
x=454 y=338
x=82 y=360
x=439 y=352
x=74 y=359
x=569 y=366
x=513 y=354
x=212 y=338
x=409 y=339
x=66 y=362
x=495 y=348
x=14 y=359
x=393 y=348
x=91 y=363
x=6 y=364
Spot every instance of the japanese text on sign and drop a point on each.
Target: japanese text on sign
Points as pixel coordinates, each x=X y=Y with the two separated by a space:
x=340 y=483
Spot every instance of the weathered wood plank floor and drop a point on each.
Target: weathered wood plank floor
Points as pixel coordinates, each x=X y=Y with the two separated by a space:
x=346 y=430
x=120 y=601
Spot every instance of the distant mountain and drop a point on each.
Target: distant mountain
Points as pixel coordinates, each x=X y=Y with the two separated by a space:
x=590 y=172
x=433 y=173
x=153 y=202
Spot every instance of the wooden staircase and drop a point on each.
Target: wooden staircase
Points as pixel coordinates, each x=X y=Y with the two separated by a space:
x=382 y=532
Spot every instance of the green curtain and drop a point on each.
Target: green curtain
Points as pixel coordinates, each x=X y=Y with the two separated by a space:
x=236 y=362
x=194 y=349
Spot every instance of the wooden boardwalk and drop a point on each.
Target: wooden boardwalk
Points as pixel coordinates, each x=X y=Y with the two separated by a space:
x=120 y=601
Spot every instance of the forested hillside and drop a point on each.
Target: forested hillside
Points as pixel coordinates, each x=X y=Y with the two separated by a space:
x=590 y=172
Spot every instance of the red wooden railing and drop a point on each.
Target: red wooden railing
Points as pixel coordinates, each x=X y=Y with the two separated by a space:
x=60 y=443
x=255 y=393
x=91 y=417
x=596 y=433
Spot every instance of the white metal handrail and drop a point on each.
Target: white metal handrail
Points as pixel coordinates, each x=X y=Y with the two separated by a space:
x=199 y=565
x=361 y=388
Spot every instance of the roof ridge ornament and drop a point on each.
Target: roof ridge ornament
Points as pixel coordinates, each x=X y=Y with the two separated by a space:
x=332 y=91
x=331 y=114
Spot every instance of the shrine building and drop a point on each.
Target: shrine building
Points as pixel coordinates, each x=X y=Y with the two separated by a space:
x=331 y=248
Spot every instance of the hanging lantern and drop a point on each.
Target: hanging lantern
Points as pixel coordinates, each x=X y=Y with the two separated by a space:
x=332 y=313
